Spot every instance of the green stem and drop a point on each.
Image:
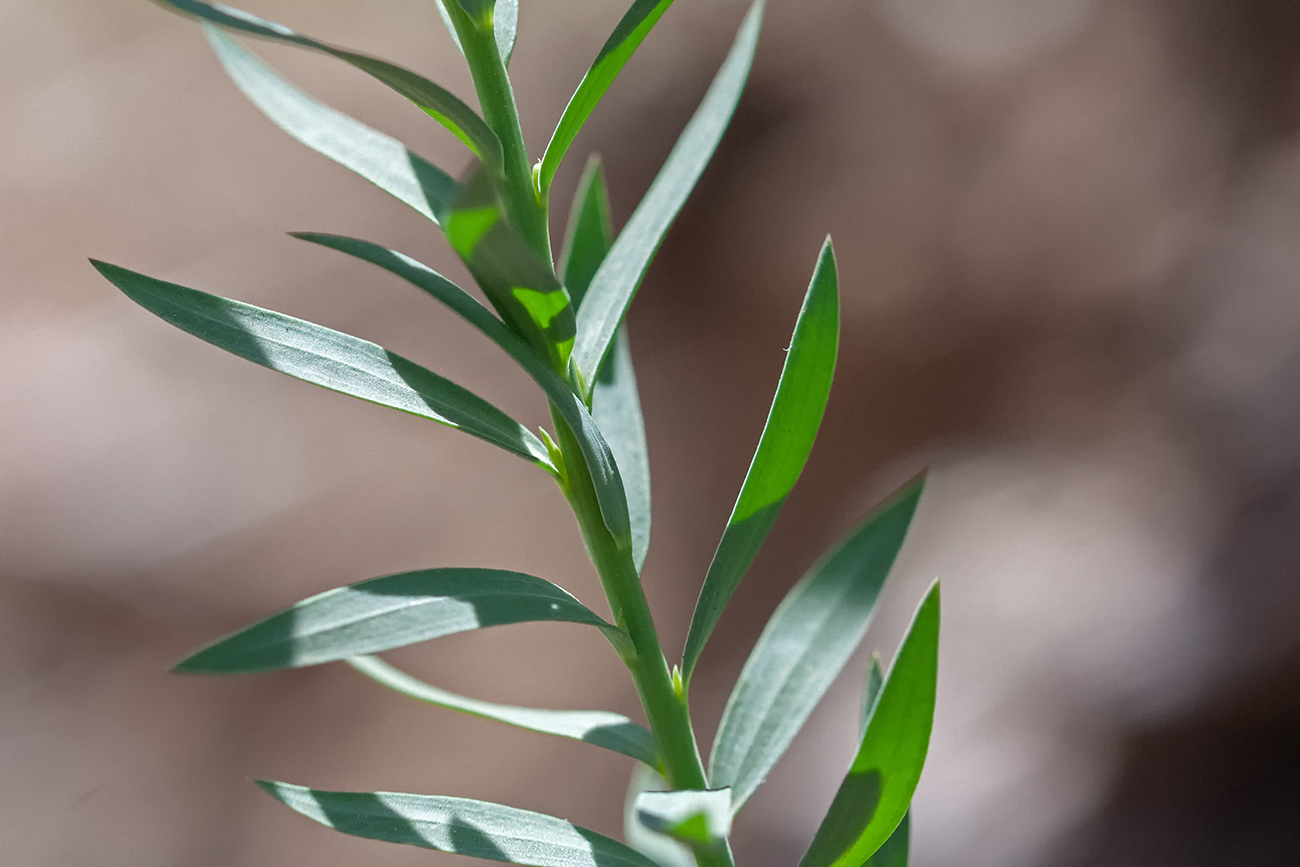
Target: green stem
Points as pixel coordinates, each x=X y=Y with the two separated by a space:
x=524 y=208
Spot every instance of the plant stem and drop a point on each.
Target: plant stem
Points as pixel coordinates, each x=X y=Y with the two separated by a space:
x=525 y=210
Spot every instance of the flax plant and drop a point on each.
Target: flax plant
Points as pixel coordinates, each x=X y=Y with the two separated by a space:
x=562 y=320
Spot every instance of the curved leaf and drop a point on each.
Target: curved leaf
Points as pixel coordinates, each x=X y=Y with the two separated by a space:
x=440 y=104
x=603 y=729
x=621 y=273
x=328 y=358
x=782 y=450
x=804 y=647
x=632 y=28
x=894 y=851
x=460 y=825
x=874 y=797
x=388 y=612
x=605 y=476
x=380 y=159
x=615 y=401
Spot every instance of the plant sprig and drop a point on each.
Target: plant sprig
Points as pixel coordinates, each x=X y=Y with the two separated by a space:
x=565 y=326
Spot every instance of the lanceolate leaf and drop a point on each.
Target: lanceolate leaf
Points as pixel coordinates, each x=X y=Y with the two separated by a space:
x=603 y=729
x=328 y=358
x=465 y=827
x=622 y=43
x=615 y=402
x=505 y=27
x=438 y=103
x=384 y=613
x=782 y=450
x=804 y=647
x=605 y=477
x=380 y=159
x=874 y=797
x=621 y=273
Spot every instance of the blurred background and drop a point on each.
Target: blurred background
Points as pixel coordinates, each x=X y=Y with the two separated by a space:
x=1067 y=233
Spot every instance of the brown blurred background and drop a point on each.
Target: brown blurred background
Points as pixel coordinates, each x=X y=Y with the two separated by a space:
x=1067 y=232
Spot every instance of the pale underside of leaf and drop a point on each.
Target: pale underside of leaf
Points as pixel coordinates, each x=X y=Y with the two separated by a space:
x=804 y=646
x=459 y=825
x=601 y=728
x=380 y=159
x=622 y=271
x=782 y=451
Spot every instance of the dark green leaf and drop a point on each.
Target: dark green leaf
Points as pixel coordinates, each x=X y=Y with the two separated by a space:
x=505 y=26
x=601 y=728
x=380 y=159
x=804 y=647
x=605 y=477
x=782 y=450
x=459 y=825
x=874 y=797
x=615 y=402
x=699 y=818
x=436 y=102
x=894 y=852
x=622 y=43
x=384 y=613
x=327 y=358
x=621 y=273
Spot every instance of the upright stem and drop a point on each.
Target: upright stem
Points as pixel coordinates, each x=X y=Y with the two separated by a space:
x=525 y=209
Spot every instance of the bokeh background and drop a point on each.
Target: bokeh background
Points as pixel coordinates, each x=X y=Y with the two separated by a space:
x=1067 y=233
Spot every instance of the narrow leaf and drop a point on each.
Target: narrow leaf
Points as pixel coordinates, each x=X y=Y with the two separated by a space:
x=621 y=273
x=894 y=851
x=618 y=48
x=870 y=692
x=699 y=818
x=384 y=613
x=459 y=825
x=603 y=729
x=874 y=797
x=664 y=851
x=615 y=401
x=605 y=476
x=440 y=104
x=380 y=159
x=505 y=27
x=782 y=450
x=804 y=646
x=328 y=358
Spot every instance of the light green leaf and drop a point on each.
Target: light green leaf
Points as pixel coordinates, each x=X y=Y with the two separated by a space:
x=782 y=450
x=328 y=358
x=615 y=401
x=605 y=476
x=440 y=104
x=699 y=818
x=603 y=729
x=664 y=851
x=460 y=825
x=388 y=612
x=894 y=852
x=874 y=797
x=804 y=646
x=621 y=273
x=635 y=24
x=380 y=159
x=505 y=26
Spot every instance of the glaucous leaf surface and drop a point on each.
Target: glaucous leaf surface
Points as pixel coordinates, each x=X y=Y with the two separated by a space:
x=440 y=104
x=615 y=401
x=459 y=825
x=328 y=358
x=388 y=612
x=505 y=26
x=622 y=271
x=782 y=451
x=635 y=24
x=600 y=460
x=804 y=646
x=876 y=793
x=698 y=818
x=601 y=728
x=380 y=159
x=664 y=851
